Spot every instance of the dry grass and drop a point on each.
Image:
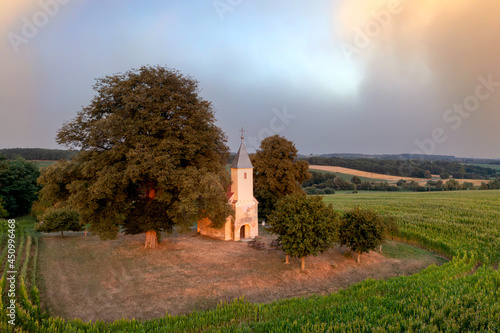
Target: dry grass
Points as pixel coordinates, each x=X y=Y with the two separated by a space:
x=83 y=277
x=388 y=178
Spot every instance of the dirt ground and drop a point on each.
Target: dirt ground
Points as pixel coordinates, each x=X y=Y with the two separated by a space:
x=83 y=277
x=388 y=178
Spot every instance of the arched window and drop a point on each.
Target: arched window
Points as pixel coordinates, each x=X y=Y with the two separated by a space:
x=245 y=176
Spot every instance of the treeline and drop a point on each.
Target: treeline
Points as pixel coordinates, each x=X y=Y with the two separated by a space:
x=410 y=168
x=18 y=187
x=37 y=153
x=327 y=183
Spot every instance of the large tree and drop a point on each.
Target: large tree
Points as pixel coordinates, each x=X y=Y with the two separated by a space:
x=277 y=173
x=18 y=187
x=151 y=156
x=305 y=226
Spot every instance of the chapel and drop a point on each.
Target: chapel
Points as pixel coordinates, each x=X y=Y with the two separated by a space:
x=240 y=196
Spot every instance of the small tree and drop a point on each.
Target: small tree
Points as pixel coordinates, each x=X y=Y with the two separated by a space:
x=444 y=175
x=361 y=230
x=453 y=185
x=62 y=219
x=355 y=180
x=305 y=225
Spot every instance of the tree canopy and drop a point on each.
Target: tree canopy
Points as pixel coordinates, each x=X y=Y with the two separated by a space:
x=305 y=225
x=60 y=220
x=151 y=156
x=361 y=230
x=277 y=173
x=18 y=186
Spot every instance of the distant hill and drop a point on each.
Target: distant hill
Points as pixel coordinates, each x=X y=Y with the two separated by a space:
x=38 y=153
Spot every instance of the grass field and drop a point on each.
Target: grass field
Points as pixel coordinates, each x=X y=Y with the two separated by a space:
x=460 y=296
x=491 y=166
x=44 y=164
x=447 y=222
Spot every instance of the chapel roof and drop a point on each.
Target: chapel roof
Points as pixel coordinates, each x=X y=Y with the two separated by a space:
x=241 y=160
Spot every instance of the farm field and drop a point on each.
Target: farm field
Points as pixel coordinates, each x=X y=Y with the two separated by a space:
x=388 y=178
x=491 y=166
x=348 y=177
x=44 y=163
x=447 y=222
x=461 y=295
x=364 y=174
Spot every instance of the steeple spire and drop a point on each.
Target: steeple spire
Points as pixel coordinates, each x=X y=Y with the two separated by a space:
x=241 y=160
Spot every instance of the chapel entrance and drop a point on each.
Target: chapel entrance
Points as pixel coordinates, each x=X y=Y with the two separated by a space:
x=245 y=231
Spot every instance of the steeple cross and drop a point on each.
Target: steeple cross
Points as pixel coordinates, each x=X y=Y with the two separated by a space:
x=242 y=131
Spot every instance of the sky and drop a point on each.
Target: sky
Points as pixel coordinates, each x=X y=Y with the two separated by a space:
x=338 y=76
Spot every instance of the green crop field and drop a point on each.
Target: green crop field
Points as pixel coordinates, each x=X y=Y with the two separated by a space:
x=463 y=295
x=44 y=164
x=491 y=166
x=447 y=222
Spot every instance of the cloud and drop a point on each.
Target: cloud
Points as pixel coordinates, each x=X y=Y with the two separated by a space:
x=17 y=82
x=427 y=59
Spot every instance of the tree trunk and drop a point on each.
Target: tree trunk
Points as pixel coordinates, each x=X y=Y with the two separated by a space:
x=303 y=263
x=380 y=249
x=151 y=240
x=286 y=260
x=359 y=257
x=62 y=235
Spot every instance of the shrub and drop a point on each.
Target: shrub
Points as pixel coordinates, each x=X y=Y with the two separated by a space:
x=329 y=190
x=60 y=219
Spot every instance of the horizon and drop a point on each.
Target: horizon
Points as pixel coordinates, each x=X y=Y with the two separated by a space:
x=372 y=77
x=312 y=154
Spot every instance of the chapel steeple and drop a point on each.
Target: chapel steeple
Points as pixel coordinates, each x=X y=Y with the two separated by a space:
x=245 y=222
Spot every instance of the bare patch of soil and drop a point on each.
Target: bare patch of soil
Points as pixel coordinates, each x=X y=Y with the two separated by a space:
x=83 y=277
